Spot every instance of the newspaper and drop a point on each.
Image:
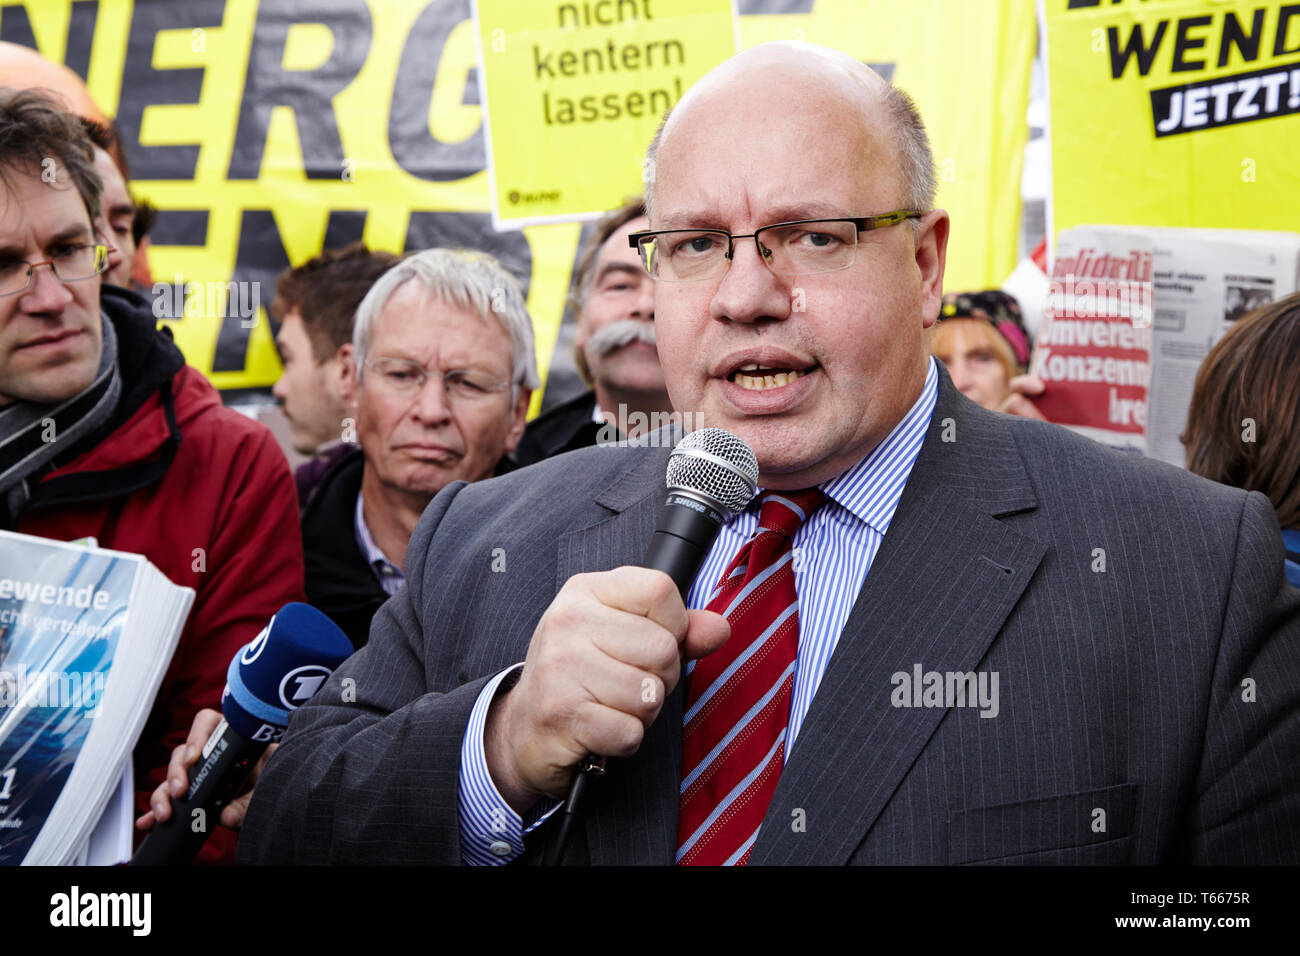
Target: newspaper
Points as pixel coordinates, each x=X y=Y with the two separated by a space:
x=1094 y=350
x=1131 y=314
x=1206 y=279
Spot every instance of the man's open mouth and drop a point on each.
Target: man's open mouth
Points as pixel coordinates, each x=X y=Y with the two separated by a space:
x=758 y=378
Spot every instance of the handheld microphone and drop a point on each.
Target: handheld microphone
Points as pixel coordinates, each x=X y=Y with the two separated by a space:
x=270 y=677
x=712 y=474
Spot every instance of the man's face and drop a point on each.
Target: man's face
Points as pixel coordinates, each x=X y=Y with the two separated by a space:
x=620 y=290
x=310 y=393
x=50 y=336
x=420 y=441
x=116 y=211
x=856 y=337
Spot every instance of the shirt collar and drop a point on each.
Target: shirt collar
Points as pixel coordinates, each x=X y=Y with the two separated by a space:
x=870 y=490
x=375 y=558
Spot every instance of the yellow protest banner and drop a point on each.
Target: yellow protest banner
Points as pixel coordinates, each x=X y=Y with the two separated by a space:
x=1174 y=113
x=267 y=131
x=966 y=63
x=573 y=93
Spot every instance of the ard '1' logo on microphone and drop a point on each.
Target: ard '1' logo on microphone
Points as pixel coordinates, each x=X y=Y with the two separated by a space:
x=300 y=683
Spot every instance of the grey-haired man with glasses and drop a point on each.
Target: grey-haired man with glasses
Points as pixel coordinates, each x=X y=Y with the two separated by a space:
x=438 y=382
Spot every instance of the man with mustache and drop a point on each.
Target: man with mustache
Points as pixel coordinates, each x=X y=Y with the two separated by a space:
x=614 y=349
x=792 y=709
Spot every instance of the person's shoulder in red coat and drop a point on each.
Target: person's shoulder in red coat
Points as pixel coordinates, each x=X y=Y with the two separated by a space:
x=204 y=493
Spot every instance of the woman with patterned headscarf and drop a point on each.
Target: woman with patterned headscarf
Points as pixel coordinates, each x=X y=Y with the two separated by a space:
x=982 y=341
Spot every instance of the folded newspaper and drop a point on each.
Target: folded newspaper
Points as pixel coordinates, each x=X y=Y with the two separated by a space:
x=1131 y=314
x=86 y=635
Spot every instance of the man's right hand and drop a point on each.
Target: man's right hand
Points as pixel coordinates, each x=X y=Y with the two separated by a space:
x=601 y=661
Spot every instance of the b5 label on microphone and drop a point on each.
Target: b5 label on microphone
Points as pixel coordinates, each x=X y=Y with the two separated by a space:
x=268 y=733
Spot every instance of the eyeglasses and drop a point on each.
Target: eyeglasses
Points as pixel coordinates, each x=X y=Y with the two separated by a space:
x=802 y=247
x=71 y=263
x=402 y=377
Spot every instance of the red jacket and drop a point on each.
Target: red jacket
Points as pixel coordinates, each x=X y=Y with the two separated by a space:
x=222 y=519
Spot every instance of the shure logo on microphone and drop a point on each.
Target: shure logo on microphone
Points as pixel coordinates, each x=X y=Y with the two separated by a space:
x=76 y=909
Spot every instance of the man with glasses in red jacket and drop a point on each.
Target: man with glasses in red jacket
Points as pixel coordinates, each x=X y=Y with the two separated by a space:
x=105 y=432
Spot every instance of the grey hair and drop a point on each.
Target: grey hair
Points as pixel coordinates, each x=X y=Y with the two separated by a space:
x=915 y=160
x=470 y=279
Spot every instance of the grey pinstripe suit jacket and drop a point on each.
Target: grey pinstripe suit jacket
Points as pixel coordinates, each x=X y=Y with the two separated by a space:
x=1124 y=732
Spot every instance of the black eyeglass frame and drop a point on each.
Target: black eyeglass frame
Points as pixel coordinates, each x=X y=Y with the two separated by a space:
x=863 y=224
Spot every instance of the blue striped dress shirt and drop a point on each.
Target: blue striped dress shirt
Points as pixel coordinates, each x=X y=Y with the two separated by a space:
x=833 y=552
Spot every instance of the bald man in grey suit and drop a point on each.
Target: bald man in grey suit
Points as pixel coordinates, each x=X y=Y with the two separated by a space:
x=1125 y=651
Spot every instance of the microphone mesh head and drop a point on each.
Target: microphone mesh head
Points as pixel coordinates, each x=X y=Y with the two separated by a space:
x=717 y=464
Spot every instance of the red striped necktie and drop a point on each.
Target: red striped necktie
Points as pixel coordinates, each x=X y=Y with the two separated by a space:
x=738 y=698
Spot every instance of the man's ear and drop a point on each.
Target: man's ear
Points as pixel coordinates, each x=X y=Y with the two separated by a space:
x=519 y=418
x=931 y=257
x=347 y=373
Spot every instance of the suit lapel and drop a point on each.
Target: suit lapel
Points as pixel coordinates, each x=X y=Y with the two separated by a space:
x=631 y=815
x=940 y=588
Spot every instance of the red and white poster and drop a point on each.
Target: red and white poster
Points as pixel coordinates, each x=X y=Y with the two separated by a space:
x=1094 y=348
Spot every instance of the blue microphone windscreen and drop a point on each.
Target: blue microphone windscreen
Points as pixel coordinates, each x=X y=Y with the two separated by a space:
x=280 y=669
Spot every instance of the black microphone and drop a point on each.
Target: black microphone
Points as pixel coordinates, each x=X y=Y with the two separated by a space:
x=272 y=676
x=712 y=474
